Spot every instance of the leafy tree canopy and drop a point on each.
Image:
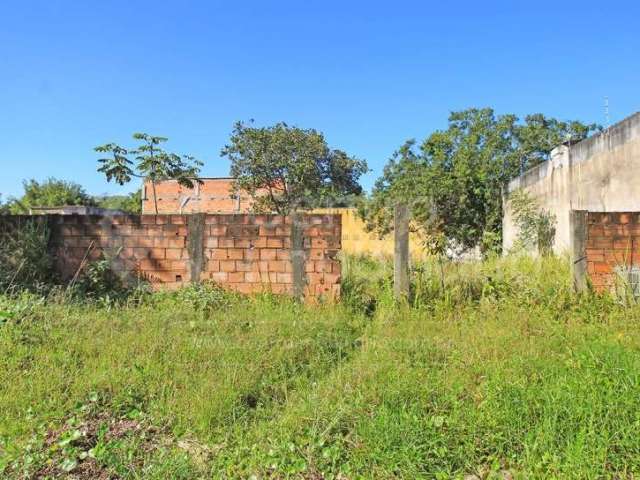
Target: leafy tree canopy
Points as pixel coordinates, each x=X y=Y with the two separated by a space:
x=285 y=168
x=130 y=203
x=454 y=180
x=49 y=193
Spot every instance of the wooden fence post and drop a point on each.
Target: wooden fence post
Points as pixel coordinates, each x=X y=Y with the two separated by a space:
x=401 y=251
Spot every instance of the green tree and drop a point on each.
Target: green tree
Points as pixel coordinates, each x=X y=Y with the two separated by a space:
x=131 y=203
x=4 y=207
x=539 y=135
x=151 y=163
x=455 y=179
x=49 y=193
x=285 y=168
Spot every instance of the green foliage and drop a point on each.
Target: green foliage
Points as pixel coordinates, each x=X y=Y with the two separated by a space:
x=99 y=280
x=367 y=284
x=95 y=441
x=131 y=203
x=536 y=227
x=20 y=306
x=285 y=168
x=454 y=180
x=202 y=297
x=25 y=263
x=4 y=207
x=50 y=193
x=151 y=162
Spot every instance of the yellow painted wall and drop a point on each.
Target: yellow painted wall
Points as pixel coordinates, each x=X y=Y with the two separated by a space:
x=356 y=239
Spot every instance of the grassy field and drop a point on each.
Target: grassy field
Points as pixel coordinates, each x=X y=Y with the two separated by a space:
x=502 y=370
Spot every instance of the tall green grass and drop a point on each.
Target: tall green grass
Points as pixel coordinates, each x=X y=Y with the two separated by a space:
x=25 y=263
x=503 y=368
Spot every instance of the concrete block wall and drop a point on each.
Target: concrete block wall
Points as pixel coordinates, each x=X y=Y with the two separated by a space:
x=613 y=241
x=243 y=252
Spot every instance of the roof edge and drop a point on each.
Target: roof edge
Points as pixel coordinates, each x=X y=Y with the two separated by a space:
x=607 y=139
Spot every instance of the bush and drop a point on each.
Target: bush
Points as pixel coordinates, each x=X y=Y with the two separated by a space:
x=98 y=282
x=203 y=297
x=25 y=262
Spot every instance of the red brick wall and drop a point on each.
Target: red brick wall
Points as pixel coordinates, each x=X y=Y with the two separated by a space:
x=613 y=239
x=212 y=195
x=247 y=253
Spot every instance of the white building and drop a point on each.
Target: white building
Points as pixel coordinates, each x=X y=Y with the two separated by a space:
x=598 y=174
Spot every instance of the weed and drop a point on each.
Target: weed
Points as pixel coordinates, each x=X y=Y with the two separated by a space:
x=492 y=367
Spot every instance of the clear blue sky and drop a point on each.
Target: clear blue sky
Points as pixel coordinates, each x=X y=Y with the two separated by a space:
x=368 y=74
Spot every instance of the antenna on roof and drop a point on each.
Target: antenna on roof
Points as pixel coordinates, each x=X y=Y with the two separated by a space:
x=606 y=112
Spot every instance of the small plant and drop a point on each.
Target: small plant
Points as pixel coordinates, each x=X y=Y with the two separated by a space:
x=19 y=307
x=95 y=440
x=202 y=297
x=536 y=226
x=99 y=282
x=98 y=279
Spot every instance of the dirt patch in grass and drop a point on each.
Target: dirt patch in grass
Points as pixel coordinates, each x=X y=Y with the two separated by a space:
x=70 y=451
x=88 y=468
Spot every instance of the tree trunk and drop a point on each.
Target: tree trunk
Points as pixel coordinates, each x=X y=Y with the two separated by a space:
x=155 y=199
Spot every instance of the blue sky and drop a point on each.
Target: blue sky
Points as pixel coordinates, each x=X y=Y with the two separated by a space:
x=367 y=74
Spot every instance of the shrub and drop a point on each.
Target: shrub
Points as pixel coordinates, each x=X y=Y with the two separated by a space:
x=98 y=282
x=25 y=263
x=202 y=297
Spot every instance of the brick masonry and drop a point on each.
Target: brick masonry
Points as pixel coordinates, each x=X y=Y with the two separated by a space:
x=613 y=240
x=210 y=195
x=243 y=252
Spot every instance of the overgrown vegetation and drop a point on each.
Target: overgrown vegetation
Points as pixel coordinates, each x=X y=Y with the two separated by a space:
x=494 y=366
x=25 y=263
x=536 y=226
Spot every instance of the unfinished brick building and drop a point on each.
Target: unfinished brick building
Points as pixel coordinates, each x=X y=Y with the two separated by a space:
x=210 y=195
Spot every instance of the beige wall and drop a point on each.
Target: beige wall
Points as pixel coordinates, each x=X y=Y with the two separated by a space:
x=600 y=174
x=356 y=240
